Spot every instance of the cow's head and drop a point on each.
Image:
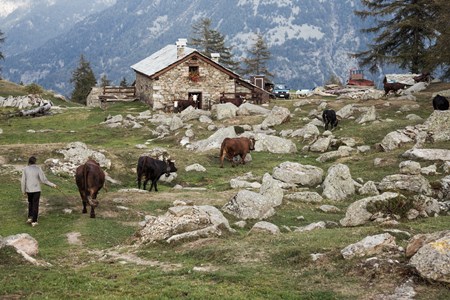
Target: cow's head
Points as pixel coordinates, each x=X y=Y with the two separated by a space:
x=170 y=167
x=252 y=143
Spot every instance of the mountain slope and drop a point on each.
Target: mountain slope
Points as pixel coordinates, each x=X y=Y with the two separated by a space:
x=309 y=40
x=28 y=24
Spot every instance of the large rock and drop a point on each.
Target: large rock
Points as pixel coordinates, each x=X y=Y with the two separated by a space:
x=358 y=214
x=23 y=242
x=214 y=141
x=249 y=205
x=305 y=197
x=191 y=113
x=419 y=240
x=226 y=111
x=427 y=154
x=346 y=111
x=182 y=223
x=342 y=151
x=305 y=175
x=278 y=115
x=432 y=261
x=271 y=188
x=309 y=132
x=265 y=227
x=274 y=144
x=438 y=124
x=409 y=183
x=338 y=183
x=369 y=116
x=369 y=246
x=321 y=144
x=248 y=109
x=394 y=140
x=75 y=154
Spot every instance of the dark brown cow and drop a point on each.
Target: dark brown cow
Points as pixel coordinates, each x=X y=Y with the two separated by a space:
x=236 y=101
x=180 y=105
x=90 y=179
x=394 y=87
x=232 y=147
x=152 y=169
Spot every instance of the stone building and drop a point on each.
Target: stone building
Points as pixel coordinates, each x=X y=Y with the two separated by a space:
x=177 y=72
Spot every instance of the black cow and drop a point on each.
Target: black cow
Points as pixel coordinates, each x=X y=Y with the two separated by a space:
x=440 y=103
x=153 y=169
x=329 y=118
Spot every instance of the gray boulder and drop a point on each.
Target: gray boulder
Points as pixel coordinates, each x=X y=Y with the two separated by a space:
x=304 y=175
x=338 y=183
x=369 y=246
x=278 y=115
x=432 y=261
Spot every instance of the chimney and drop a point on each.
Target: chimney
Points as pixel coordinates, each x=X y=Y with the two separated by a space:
x=181 y=44
x=215 y=57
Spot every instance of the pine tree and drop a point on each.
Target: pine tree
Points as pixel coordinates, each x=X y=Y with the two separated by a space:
x=207 y=40
x=104 y=81
x=256 y=62
x=404 y=33
x=83 y=79
x=439 y=54
x=123 y=82
x=2 y=39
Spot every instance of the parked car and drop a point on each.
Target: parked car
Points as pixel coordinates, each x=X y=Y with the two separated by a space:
x=281 y=91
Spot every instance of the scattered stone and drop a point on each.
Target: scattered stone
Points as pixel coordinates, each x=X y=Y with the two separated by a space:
x=369 y=246
x=265 y=227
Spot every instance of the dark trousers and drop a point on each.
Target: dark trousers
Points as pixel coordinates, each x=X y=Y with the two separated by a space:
x=33 y=205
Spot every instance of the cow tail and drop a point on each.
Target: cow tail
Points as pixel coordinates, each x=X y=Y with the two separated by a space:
x=222 y=147
x=85 y=174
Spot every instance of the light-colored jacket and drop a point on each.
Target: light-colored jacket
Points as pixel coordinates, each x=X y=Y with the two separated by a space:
x=32 y=176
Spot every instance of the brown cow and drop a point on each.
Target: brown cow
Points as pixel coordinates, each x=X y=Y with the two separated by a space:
x=236 y=101
x=232 y=147
x=394 y=87
x=90 y=178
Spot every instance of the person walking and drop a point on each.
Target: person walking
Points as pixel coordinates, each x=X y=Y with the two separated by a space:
x=32 y=176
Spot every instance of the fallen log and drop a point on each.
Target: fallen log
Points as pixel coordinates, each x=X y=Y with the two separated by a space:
x=40 y=110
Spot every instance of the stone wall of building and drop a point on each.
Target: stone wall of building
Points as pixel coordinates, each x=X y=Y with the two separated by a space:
x=176 y=84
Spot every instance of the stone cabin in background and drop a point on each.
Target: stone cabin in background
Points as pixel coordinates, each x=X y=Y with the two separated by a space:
x=177 y=72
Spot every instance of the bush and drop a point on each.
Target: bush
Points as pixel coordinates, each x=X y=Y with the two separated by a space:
x=396 y=206
x=34 y=88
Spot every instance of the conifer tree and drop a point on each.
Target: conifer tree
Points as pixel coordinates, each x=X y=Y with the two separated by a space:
x=123 y=82
x=104 y=81
x=439 y=54
x=83 y=79
x=207 y=40
x=2 y=39
x=256 y=62
x=403 y=30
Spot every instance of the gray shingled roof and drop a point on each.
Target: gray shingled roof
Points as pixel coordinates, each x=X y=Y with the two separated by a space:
x=159 y=60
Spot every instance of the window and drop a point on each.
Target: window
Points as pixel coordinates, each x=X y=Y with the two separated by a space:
x=194 y=74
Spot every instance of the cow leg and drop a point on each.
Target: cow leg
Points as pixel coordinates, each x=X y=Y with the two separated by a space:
x=84 y=201
x=154 y=184
x=92 y=212
x=139 y=182
x=145 y=184
x=243 y=158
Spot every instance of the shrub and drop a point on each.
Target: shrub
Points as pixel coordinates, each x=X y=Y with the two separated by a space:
x=34 y=88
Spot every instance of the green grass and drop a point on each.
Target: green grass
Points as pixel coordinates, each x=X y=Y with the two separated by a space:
x=243 y=266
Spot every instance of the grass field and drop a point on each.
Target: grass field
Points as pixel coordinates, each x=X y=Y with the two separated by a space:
x=106 y=264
